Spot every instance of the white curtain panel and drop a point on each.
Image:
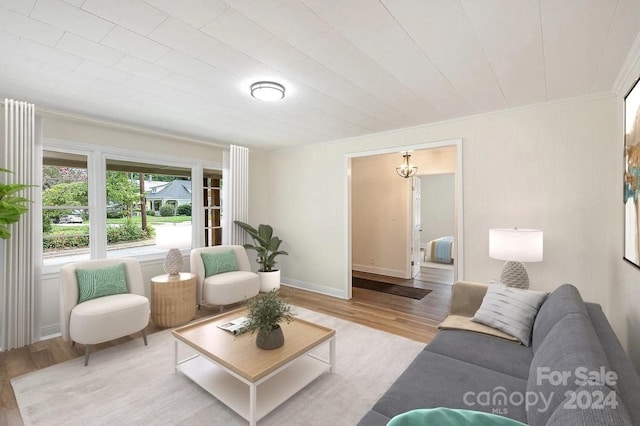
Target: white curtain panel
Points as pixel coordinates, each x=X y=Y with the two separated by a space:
x=237 y=203
x=18 y=264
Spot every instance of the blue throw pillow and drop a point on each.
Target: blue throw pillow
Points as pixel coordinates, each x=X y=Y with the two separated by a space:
x=99 y=282
x=450 y=417
x=511 y=310
x=217 y=263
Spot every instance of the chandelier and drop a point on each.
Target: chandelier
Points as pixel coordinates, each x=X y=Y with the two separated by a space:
x=406 y=169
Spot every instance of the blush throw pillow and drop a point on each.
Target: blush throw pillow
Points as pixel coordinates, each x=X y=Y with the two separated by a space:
x=99 y=282
x=217 y=263
x=510 y=310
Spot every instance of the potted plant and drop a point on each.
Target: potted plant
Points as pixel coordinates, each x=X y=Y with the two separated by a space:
x=11 y=207
x=266 y=245
x=266 y=313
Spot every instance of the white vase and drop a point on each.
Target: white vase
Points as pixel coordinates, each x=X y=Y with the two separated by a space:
x=269 y=281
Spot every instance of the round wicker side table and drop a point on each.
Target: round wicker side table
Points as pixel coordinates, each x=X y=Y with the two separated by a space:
x=173 y=300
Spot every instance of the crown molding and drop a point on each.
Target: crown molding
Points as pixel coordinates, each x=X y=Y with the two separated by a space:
x=621 y=83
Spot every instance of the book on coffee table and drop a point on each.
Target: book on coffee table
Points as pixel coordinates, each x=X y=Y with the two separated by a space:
x=235 y=326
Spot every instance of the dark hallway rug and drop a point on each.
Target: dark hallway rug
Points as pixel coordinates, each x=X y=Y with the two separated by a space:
x=398 y=290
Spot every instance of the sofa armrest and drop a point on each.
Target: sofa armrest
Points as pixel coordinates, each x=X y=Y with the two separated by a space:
x=466 y=298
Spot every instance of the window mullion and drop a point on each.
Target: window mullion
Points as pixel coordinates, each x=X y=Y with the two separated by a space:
x=197 y=212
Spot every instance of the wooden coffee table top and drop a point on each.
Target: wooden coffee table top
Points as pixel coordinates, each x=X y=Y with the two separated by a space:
x=240 y=354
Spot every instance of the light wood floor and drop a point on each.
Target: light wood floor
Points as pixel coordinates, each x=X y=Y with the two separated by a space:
x=436 y=275
x=414 y=319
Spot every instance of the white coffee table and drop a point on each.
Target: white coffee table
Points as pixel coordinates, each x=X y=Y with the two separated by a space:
x=251 y=381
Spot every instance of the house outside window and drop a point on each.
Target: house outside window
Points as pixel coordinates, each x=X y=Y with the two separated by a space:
x=174 y=194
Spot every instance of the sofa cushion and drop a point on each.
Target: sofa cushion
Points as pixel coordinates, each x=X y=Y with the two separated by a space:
x=107 y=318
x=218 y=263
x=562 y=301
x=450 y=417
x=100 y=282
x=434 y=380
x=490 y=352
x=571 y=344
x=511 y=310
x=591 y=404
x=230 y=287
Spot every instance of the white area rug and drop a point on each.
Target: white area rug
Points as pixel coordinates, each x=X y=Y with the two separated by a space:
x=131 y=384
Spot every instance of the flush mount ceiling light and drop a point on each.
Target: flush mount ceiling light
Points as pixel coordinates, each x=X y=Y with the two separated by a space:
x=267 y=91
x=406 y=169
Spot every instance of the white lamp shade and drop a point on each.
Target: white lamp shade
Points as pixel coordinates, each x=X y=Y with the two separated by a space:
x=520 y=245
x=173 y=236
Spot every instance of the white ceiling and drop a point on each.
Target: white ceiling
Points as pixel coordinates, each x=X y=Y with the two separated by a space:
x=351 y=67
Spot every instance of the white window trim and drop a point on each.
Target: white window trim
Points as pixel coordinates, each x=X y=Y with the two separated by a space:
x=97 y=157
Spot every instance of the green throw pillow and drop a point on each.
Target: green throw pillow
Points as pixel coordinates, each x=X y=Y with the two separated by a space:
x=99 y=282
x=451 y=417
x=217 y=263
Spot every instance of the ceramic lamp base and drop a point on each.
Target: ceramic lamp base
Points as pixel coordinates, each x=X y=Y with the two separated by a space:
x=514 y=274
x=173 y=263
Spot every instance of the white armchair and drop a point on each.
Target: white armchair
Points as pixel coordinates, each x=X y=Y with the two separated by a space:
x=103 y=318
x=227 y=287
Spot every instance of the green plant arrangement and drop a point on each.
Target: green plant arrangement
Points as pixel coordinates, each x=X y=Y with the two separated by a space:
x=11 y=207
x=265 y=315
x=167 y=210
x=266 y=245
x=183 y=210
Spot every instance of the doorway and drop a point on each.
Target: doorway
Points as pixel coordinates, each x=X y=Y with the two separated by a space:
x=436 y=219
x=383 y=237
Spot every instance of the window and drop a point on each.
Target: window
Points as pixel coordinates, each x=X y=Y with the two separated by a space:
x=145 y=204
x=65 y=207
x=99 y=204
x=211 y=187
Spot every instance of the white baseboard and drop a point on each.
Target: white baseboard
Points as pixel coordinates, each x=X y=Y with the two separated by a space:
x=50 y=336
x=380 y=271
x=316 y=288
x=50 y=331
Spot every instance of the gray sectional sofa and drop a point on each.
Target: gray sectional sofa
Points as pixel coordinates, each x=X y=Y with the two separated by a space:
x=574 y=372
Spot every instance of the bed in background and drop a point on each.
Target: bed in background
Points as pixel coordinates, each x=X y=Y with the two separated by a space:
x=440 y=250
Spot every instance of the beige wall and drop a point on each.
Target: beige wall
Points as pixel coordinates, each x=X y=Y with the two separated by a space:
x=433 y=160
x=556 y=167
x=95 y=133
x=438 y=202
x=380 y=215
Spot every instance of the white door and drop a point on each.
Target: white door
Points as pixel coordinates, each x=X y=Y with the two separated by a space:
x=416 y=225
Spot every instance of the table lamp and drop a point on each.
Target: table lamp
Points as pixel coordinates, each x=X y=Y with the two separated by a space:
x=515 y=246
x=173 y=237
